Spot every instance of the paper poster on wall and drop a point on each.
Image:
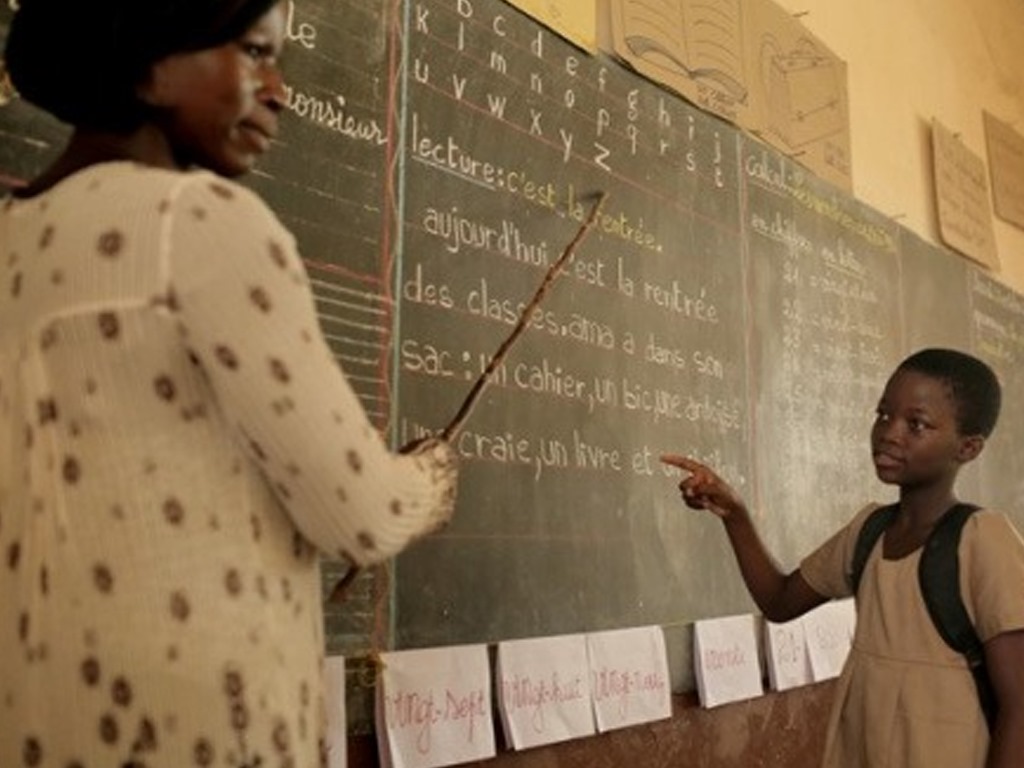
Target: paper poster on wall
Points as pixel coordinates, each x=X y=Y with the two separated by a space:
x=829 y=630
x=961 y=195
x=798 y=92
x=434 y=707
x=336 y=735
x=544 y=690
x=694 y=47
x=1006 y=164
x=629 y=679
x=725 y=658
x=749 y=62
x=575 y=20
x=789 y=664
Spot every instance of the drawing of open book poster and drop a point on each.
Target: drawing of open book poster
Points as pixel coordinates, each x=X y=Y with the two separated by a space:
x=798 y=93
x=694 y=47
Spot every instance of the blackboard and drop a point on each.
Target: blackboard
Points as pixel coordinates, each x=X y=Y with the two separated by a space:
x=997 y=325
x=435 y=157
x=824 y=281
x=508 y=130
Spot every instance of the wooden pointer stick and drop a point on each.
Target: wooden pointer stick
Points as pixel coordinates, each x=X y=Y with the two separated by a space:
x=449 y=432
x=524 y=318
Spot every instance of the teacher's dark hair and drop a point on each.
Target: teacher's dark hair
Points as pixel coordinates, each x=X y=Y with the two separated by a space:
x=83 y=60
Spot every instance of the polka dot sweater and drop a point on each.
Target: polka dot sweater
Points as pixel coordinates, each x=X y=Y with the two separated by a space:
x=176 y=444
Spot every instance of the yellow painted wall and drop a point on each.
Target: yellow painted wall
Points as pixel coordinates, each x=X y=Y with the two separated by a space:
x=913 y=60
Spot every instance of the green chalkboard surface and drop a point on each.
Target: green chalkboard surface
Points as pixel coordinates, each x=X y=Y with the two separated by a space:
x=824 y=286
x=997 y=327
x=436 y=157
x=569 y=522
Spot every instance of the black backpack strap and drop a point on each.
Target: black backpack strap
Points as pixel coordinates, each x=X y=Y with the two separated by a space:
x=939 y=574
x=872 y=530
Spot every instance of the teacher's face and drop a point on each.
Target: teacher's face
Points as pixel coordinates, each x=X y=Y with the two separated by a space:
x=218 y=107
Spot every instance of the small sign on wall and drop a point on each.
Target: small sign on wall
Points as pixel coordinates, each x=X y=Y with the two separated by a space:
x=1006 y=161
x=961 y=193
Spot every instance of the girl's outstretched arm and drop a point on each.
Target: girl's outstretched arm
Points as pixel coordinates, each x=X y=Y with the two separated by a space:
x=779 y=596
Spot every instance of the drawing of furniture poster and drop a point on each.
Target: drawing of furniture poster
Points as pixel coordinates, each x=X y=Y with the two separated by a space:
x=803 y=88
x=798 y=93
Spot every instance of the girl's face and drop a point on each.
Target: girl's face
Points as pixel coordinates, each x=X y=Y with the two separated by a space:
x=218 y=107
x=915 y=440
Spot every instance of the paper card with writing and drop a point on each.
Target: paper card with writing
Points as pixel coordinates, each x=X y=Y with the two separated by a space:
x=829 y=631
x=336 y=737
x=1006 y=164
x=961 y=196
x=726 y=660
x=789 y=664
x=544 y=690
x=434 y=707
x=629 y=679
x=383 y=746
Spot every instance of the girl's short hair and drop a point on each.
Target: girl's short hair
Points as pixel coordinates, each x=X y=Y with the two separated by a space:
x=83 y=60
x=973 y=384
